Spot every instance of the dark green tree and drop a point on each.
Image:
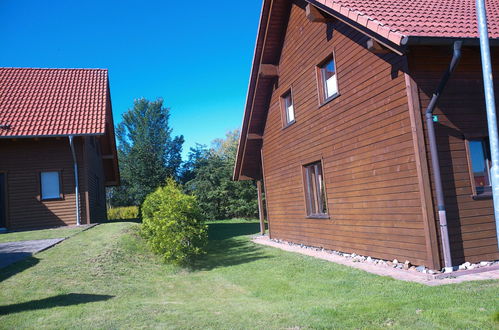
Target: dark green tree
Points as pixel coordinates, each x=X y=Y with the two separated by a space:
x=147 y=152
x=208 y=175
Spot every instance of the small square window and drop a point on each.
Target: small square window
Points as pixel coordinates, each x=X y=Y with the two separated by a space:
x=288 y=108
x=315 y=190
x=479 y=157
x=328 y=80
x=50 y=185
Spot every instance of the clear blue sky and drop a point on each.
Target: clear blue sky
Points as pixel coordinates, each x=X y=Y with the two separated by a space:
x=195 y=55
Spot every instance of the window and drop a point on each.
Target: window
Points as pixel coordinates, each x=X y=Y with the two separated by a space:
x=328 y=80
x=50 y=185
x=315 y=190
x=479 y=160
x=288 y=108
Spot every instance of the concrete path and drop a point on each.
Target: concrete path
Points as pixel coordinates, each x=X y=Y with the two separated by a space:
x=14 y=251
x=489 y=273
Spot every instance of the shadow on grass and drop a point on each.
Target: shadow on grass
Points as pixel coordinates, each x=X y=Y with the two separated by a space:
x=60 y=300
x=225 y=247
x=135 y=220
x=17 y=267
x=220 y=231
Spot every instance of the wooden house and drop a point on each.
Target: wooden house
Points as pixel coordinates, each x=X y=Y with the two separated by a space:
x=335 y=127
x=57 y=147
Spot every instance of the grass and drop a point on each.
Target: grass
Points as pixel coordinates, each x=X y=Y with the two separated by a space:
x=61 y=232
x=107 y=278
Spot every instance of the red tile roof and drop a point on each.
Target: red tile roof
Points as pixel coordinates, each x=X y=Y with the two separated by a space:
x=52 y=102
x=398 y=19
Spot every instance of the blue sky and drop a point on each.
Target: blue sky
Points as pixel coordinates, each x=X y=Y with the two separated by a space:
x=195 y=55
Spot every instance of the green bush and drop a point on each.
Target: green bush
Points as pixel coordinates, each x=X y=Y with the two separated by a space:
x=172 y=224
x=123 y=213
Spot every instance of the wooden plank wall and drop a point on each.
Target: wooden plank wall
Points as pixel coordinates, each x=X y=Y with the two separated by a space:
x=95 y=180
x=22 y=159
x=461 y=112
x=363 y=137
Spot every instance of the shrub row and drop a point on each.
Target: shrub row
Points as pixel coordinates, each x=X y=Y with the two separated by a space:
x=123 y=213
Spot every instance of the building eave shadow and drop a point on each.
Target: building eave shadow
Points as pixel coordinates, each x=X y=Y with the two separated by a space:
x=226 y=246
x=18 y=267
x=56 y=301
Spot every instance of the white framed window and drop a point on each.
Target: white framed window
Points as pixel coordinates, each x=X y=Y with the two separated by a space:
x=328 y=80
x=50 y=185
x=288 y=108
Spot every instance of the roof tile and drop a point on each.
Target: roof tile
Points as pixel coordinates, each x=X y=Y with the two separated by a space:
x=47 y=102
x=421 y=18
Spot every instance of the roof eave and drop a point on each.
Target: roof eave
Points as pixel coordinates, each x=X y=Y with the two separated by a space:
x=257 y=54
x=444 y=41
x=47 y=136
x=393 y=40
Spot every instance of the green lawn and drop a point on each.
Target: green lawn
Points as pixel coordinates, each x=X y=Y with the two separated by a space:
x=106 y=278
x=61 y=232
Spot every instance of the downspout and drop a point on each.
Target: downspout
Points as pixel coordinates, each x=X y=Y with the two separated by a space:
x=490 y=105
x=442 y=215
x=77 y=188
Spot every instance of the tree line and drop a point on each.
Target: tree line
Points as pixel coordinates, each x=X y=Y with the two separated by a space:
x=149 y=154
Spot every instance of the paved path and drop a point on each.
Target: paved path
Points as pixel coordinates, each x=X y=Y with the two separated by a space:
x=14 y=251
x=492 y=273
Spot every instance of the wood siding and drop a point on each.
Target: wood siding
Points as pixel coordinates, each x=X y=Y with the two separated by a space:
x=94 y=180
x=461 y=112
x=363 y=137
x=22 y=160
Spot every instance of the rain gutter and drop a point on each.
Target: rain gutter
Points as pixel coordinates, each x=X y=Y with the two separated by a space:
x=77 y=188
x=442 y=214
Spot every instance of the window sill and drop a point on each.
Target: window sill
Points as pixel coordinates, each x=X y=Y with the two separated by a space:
x=51 y=199
x=326 y=101
x=289 y=124
x=481 y=197
x=318 y=216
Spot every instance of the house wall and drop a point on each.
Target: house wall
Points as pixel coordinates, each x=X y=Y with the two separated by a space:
x=364 y=139
x=22 y=160
x=94 y=178
x=461 y=112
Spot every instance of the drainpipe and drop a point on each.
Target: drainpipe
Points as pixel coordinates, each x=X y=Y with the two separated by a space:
x=490 y=107
x=77 y=188
x=442 y=215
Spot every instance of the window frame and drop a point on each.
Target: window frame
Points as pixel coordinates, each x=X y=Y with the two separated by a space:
x=309 y=198
x=484 y=139
x=284 y=110
x=321 y=79
x=39 y=181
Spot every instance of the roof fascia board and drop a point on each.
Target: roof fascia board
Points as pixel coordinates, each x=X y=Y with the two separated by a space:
x=111 y=135
x=253 y=82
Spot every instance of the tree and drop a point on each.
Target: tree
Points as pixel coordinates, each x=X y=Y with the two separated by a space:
x=147 y=152
x=208 y=175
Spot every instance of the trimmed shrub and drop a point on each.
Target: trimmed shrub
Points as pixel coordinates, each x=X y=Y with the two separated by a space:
x=172 y=224
x=123 y=213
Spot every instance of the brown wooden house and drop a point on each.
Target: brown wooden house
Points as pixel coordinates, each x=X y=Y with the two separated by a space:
x=335 y=127
x=55 y=123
